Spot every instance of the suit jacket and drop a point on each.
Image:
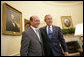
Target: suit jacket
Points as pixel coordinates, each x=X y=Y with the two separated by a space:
x=30 y=44
x=52 y=47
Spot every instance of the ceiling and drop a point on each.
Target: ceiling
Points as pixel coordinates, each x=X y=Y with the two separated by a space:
x=65 y=2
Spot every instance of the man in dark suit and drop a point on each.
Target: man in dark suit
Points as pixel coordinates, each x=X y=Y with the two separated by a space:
x=31 y=44
x=52 y=39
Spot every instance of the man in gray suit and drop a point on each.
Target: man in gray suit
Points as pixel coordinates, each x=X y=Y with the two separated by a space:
x=31 y=43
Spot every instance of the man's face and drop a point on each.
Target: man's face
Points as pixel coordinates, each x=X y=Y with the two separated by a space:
x=35 y=22
x=48 y=20
x=12 y=17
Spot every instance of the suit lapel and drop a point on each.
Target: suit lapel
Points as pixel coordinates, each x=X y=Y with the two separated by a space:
x=40 y=35
x=34 y=34
x=53 y=29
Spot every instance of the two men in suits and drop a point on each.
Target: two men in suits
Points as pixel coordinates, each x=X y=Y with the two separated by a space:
x=31 y=44
x=53 y=39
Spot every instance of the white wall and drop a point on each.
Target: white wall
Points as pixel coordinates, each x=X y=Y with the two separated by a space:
x=10 y=45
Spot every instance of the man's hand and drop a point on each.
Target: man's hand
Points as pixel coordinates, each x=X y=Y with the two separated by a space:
x=66 y=54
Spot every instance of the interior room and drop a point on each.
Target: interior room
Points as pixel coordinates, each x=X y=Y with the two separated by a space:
x=59 y=10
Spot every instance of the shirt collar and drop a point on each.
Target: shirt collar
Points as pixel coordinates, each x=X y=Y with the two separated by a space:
x=34 y=28
x=50 y=26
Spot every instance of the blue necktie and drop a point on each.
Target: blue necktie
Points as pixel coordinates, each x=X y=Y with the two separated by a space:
x=49 y=33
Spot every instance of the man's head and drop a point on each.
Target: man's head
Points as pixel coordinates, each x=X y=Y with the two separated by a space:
x=35 y=21
x=48 y=20
x=12 y=17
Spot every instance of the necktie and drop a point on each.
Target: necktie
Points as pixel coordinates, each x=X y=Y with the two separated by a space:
x=49 y=33
x=37 y=32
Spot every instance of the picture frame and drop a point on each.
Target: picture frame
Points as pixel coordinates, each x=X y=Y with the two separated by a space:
x=66 y=22
x=26 y=24
x=11 y=21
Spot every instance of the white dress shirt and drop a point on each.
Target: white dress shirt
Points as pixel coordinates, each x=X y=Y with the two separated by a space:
x=36 y=30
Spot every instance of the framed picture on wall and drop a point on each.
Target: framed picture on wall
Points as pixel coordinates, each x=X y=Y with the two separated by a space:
x=26 y=24
x=12 y=20
x=66 y=22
